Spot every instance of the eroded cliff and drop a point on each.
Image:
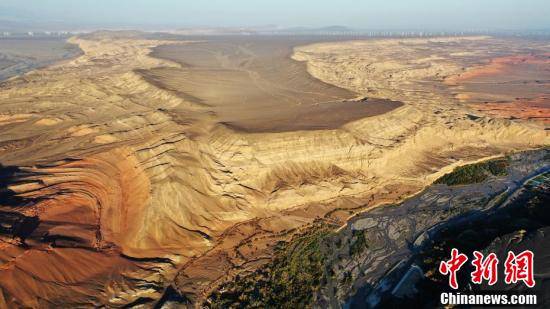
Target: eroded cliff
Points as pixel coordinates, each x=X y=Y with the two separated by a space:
x=117 y=187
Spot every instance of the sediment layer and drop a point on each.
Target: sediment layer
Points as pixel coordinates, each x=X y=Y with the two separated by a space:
x=133 y=186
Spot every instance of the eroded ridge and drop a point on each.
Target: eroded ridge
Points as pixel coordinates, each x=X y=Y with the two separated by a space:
x=496 y=76
x=111 y=169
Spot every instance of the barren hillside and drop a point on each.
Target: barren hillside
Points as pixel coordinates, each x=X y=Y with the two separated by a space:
x=114 y=186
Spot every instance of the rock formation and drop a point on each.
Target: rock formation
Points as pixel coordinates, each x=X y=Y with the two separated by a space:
x=115 y=187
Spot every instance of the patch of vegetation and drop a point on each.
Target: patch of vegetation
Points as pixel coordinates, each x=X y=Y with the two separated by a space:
x=359 y=244
x=288 y=281
x=475 y=173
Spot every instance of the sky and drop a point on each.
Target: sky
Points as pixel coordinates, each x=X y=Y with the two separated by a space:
x=360 y=14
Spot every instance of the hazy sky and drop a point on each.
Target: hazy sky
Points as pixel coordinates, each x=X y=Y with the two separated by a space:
x=417 y=14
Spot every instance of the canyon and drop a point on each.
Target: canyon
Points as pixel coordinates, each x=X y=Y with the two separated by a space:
x=149 y=165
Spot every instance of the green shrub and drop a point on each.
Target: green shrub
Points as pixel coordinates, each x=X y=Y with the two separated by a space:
x=288 y=281
x=475 y=173
x=359 y=244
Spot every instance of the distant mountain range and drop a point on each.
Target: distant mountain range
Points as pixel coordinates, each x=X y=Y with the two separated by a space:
x=334 y=28
x=263 y=30
x=13 y=21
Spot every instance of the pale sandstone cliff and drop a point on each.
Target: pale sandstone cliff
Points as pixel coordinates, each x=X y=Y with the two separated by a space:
x=136 y=184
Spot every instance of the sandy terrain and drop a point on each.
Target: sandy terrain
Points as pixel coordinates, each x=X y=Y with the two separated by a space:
x=132 y=185
x=513 y=87
x=252 y=85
